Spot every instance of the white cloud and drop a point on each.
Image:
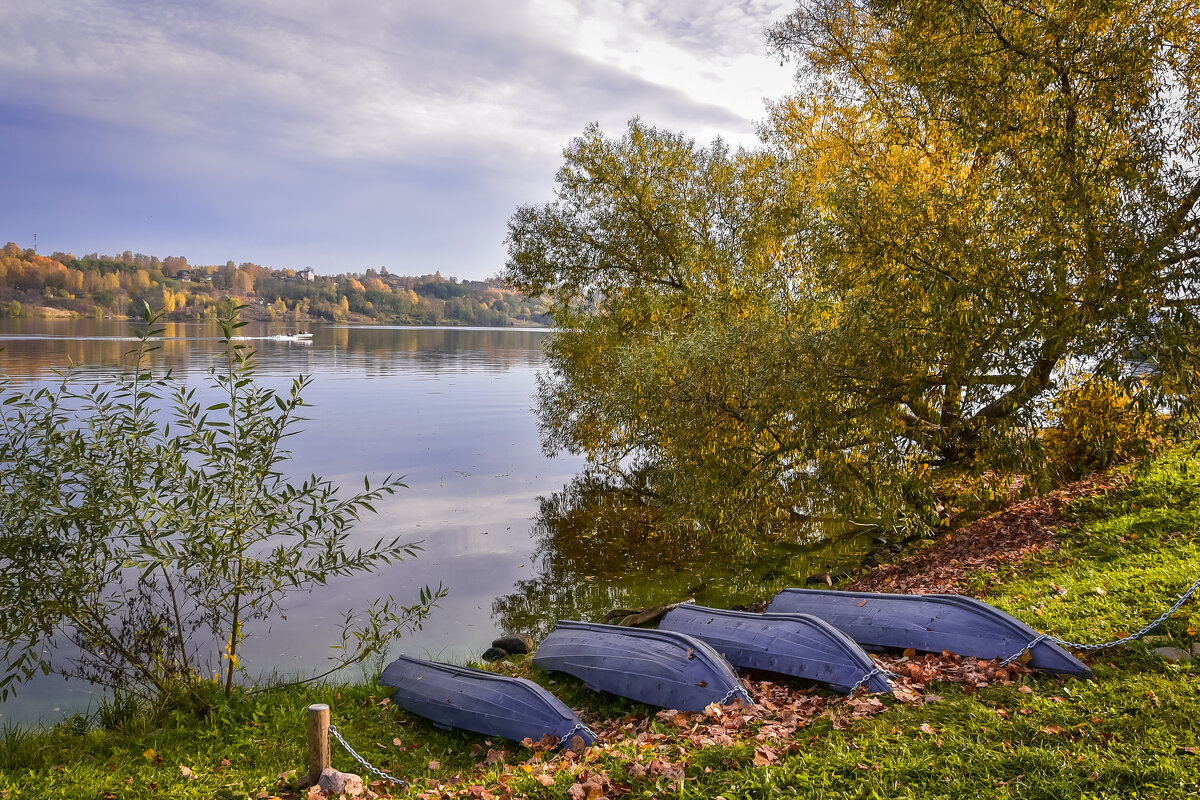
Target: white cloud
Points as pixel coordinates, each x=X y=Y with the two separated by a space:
x=354 y=80
x=334 y=109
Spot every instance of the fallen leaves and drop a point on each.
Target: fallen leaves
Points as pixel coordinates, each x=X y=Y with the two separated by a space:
x=661 y=768
x=1009 y=535
x=765 y=756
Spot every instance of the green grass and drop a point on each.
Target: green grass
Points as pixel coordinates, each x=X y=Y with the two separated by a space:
x=1126 y=557
x=1133 y=731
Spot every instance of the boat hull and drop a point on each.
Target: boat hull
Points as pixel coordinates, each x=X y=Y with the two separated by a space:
x=484 y=702
x=800 y=645
x=931 y=622
x=661 y=668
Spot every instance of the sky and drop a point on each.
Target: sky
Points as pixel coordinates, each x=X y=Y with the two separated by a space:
x=344 y=135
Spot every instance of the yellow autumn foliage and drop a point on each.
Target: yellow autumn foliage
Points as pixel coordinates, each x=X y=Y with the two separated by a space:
x=1095 y=422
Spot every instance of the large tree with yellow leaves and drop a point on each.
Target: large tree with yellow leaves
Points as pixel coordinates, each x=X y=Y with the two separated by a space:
x=961 y=202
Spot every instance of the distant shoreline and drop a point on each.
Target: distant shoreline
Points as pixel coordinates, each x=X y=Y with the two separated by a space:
x=251 y=313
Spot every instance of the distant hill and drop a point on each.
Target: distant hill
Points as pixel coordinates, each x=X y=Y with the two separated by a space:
x=101 y=285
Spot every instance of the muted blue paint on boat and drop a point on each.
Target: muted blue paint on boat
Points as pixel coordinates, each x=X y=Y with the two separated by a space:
x=931 y=622
x=662 y=668
x=800 y=645
x=480 y=701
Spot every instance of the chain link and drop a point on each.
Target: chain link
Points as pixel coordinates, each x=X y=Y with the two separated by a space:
x=1163 y=617
x=1041 y=638
x=738 y=692
x=566 y=738
x=333 y=729
x=579 y=728
x=1166 y=615
x=868 y=675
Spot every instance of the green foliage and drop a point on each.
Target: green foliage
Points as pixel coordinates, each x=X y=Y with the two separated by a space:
x=957 y=204
x=1093 y=423
x=143 y=532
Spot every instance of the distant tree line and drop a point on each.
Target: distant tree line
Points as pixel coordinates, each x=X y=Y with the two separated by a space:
x=104 y=285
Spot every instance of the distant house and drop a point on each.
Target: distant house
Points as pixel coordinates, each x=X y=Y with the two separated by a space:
x=306 y=274
x=184 y=275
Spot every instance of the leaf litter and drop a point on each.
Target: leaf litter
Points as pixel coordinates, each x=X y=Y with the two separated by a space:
x=638 y=746
x=1011 y=534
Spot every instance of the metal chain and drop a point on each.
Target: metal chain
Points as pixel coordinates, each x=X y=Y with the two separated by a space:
x=566 y=738
x=738 y=692
x=1170 y=612
x=333 y=729
x=1041 y=637
x=579 y=727
x=868 y=675
x=1163 y=617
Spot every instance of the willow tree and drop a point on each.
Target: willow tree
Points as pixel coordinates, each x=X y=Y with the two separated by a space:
x=960 y=203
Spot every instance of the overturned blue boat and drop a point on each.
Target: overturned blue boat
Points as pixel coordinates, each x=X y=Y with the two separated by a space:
x=800 y=645
x=481 y=701
x=661 y=668
x=932 y=622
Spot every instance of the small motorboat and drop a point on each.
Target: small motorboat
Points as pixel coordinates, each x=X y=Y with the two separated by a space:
x=662 y=668
x=484 y=702
x=931 y=622
x=800 y=645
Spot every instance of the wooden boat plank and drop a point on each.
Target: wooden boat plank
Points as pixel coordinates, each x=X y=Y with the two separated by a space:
x=661 y=668
x=932 y=622
x=477 y=700
x=800 y=645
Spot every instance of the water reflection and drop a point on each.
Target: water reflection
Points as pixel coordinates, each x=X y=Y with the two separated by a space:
x=449 y=409
x=599 y=548
x=34 y=348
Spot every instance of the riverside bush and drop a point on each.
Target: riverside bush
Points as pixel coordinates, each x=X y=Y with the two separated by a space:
x=143 y=532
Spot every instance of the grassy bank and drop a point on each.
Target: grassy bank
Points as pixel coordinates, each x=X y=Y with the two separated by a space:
x=1118 y=555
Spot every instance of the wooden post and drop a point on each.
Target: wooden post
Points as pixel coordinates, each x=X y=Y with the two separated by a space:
x=318 y=741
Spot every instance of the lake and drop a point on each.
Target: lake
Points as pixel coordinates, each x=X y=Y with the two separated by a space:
x=513 y=535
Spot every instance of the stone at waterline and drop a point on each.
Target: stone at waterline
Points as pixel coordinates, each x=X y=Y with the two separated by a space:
x=876 y=557
x=494 y=654
x=515 y=644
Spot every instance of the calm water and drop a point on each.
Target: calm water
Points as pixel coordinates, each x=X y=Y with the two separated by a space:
x=513 y=536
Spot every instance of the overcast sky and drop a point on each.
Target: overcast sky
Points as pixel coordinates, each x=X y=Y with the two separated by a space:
x=343 y=134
